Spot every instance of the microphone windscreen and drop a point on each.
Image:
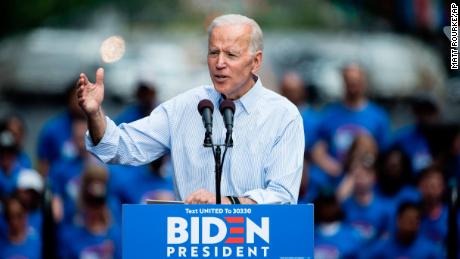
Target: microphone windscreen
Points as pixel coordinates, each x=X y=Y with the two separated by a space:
x=205 y=103
x=227 y=104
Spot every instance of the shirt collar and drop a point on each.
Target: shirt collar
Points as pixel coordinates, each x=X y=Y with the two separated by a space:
x=249 y=100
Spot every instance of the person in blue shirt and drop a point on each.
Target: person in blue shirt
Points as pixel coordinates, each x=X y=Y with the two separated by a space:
x=405 y=242
x=29 y=190
x=364 y=210
x=64 y=173
x=333 y=237
x=146 y=100
x=55 y=138
x=15 y=124
x=148 y=179
x=9 y=163
x=95 y=232
x=434 y=212
x=412 y=139
x=341 y=122
x=394 y=178
x=293 y=88
x=17 y=240
x=266 y=126
x=65 y=176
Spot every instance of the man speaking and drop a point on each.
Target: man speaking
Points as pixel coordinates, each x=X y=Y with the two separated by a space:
x=265 y=163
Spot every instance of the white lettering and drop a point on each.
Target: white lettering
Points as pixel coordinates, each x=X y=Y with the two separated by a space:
x=217 y=251
x=182 y=251
x=177 y=225
x=252 y=251
x=169 y=250
x=263 y=231
x=239 y=251
x=226 y=251
x=206 y=233
x=265 y=248
x=195 y=230
x=194 y=251
x=206 y=251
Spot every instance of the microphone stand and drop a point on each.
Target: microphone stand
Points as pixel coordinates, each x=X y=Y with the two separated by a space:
x=218 y=173
x=219 y=160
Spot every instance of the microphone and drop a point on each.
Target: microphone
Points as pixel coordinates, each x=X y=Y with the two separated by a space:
x=206 y=108
x=227 y=109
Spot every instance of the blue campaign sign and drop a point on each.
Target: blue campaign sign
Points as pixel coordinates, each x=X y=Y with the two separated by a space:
x=217 y=231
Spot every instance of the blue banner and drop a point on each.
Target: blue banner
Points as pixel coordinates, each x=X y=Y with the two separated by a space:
x=217 y=231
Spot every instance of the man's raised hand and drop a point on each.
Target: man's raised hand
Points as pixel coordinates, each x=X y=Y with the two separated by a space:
x=90 y=95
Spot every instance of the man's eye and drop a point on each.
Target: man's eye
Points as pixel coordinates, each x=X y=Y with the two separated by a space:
x=213 y=53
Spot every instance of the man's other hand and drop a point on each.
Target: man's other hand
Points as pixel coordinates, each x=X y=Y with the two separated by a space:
x=202 y=196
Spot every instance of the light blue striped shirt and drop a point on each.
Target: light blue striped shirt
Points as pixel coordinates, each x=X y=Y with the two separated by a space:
x=265 y=163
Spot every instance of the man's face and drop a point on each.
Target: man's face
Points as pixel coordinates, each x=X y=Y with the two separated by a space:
x=408 y=223
x=230 y=62
x=364 y=178
x=355 y=81
x=432 y=187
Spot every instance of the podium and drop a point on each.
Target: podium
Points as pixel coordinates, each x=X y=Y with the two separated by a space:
x=217 y=231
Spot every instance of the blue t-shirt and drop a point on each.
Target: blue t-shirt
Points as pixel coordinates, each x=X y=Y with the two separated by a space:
x=415 y=146
x=405 y=194
x=340 y=125
x=371 y=220
x=65 y=178
x=30 y=248
x=130 y=114
x=148 y=185
x=55 y=139
x=65 y=182
x=24 y=160
x=344 y=243
x=78 y=242
x=8 y=182
x=311 y=121
x=421 y=248
x=435 y=229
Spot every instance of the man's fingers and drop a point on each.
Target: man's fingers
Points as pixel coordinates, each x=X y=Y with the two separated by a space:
x=83 y=79
x=100 y=76
x=201 y=196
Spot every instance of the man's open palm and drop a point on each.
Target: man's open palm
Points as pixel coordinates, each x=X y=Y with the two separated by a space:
x=90 y=95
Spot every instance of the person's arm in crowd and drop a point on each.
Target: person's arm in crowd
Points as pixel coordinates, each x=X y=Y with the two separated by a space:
x=326 y=162
x=128 y=143
x=345 y=188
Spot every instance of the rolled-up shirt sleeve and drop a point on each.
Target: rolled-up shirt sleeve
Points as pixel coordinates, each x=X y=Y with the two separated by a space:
x=283 y=169
x=135 y=143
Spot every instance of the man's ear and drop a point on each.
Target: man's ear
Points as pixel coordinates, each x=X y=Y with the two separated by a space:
x=257 y=59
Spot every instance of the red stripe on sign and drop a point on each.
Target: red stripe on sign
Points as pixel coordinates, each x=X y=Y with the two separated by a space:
x=234 y=219
x=236 y=230
x=234 y=240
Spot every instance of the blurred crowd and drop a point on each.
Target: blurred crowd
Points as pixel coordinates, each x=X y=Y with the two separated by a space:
x=69 y=205
x=379 y=192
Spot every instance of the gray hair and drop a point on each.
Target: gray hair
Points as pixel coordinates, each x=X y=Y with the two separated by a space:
x=256 y=43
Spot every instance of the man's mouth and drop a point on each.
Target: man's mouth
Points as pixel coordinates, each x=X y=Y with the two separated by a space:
x=220 y=78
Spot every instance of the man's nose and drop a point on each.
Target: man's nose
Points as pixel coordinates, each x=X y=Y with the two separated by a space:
x=221 y=63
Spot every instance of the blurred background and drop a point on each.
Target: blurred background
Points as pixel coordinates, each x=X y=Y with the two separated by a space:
x=154 y=50
x=45 y=45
